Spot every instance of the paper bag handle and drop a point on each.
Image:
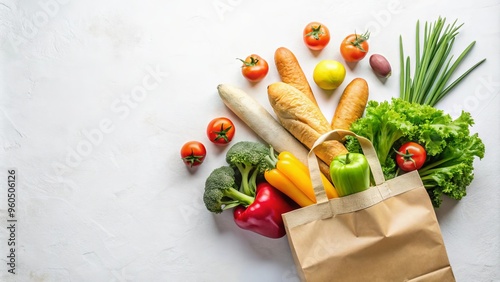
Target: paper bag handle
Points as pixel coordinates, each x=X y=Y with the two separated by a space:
x=339 y=134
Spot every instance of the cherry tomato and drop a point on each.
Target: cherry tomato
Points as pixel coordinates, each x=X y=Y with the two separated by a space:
x=316 y=36
x=354 y=47
x=254 y=68
x=221 y=130
x=193 y=153
x=411 y=156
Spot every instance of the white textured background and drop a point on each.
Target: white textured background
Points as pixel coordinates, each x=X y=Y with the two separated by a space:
x=102 y=192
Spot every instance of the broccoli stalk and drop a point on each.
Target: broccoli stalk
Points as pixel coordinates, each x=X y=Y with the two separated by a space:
x=221 y=191
x=249 y=158
x=271 y=159
x=248 y=178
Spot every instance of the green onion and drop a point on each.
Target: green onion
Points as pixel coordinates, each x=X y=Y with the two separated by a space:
x=433 y=64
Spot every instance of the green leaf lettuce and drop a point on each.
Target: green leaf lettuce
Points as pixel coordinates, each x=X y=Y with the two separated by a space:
x=451 y=148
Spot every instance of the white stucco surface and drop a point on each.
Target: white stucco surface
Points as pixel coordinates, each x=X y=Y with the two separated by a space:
x=97 y=97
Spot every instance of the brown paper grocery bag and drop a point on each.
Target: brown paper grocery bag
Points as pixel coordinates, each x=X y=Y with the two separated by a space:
x=386 y=233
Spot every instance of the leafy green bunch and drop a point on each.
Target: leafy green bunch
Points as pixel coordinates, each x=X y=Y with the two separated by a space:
x=451 y=147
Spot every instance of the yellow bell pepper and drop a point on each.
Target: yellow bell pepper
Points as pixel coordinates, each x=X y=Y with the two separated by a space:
x=282 y=183
x=291 y=177
x=331 y=192
x=297 y=177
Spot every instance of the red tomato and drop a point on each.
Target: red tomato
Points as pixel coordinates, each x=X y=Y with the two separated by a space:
x=354 y=47
x=221 y=130
x=254 y=68
x=316 y=36
x=411 y=156
x=193 y=153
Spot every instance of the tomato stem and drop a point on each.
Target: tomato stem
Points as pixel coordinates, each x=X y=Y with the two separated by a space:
x=315 y=32
x=253 y=62
x=360 y=38
x=193 y=159
x=407 y=156
x=222 y=133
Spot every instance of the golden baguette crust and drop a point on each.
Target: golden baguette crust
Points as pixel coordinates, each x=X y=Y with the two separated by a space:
x=351 y=105
x=291 y=72
x=303 y=119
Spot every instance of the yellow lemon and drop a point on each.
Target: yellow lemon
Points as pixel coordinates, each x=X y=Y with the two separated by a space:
x=329 y=74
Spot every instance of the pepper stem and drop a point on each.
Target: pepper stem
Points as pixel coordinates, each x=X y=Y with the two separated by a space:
x=347 y=160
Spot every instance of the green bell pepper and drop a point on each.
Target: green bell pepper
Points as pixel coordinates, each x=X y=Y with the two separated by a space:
x=350 y=173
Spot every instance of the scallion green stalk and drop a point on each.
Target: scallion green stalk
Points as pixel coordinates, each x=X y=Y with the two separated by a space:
x=434 y=65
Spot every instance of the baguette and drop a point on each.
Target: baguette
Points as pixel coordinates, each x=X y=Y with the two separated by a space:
x=351 y=105
x=303 y=119
x=255 y=116
x=290 y=72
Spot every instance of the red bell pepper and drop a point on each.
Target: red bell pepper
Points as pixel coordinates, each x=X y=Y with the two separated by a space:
x=263 y=216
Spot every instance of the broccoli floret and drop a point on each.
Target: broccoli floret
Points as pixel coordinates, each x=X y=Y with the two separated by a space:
x=221 y=191
x=249 y=158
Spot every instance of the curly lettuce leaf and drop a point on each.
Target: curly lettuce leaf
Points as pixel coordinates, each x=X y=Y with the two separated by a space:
x=450 y=172
x=383 y=124
x=450 y=147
